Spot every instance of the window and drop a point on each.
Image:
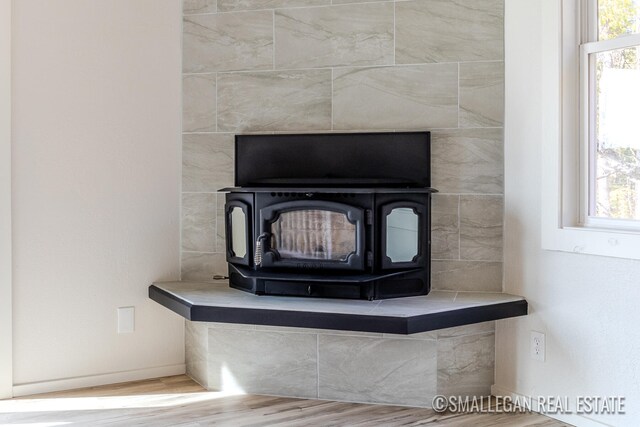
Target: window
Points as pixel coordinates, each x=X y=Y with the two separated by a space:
x=610 y=102
x=590 y=99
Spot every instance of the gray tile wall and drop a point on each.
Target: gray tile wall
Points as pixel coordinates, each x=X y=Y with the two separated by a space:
x=346 y=366
x=350 y=65
x=317 y=65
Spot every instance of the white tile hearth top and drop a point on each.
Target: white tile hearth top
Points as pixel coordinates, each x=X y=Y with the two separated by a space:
x=217 y=302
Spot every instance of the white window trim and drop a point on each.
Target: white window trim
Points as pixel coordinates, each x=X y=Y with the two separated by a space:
x=563 y=162
x=6 y=360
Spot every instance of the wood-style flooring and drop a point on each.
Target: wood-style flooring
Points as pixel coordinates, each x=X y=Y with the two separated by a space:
x=179 y=401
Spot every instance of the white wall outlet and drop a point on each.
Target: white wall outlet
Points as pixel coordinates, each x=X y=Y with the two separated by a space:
x=537 y=346
x=126 y=320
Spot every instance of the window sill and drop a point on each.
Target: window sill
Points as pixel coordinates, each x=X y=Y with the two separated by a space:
x=593 y=241
x=217 y=302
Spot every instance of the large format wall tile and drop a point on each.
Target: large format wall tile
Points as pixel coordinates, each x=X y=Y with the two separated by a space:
x=230 y=5
x=481 y=94
x=360 y=34
x=445 y=228
x=199 y=222
x=199 y=103
x=224 y=42
x=481 y=228
x=467 y=161
x=196 y=338
x=190 y=7
x=207 y=162
x=316 y=331
x=466 y=276
x=429 y=335
x=354 y=1
x=449 y=30
x=221 y=325
x=466 y=365
x=277 y=100
x=460 y=331
x=263 y=362
x=221 y=243
x=377 y=370
x=415 y=97
x=201 y=267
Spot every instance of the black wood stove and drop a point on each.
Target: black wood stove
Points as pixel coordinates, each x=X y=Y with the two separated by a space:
x=330 y=215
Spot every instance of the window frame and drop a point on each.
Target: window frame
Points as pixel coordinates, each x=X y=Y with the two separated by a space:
x=590 y=44
x=565 y=155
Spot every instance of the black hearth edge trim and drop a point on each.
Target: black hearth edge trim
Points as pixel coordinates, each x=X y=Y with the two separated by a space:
x=339 y=321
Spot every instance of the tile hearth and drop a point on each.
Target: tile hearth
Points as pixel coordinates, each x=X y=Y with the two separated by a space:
x=216 y=302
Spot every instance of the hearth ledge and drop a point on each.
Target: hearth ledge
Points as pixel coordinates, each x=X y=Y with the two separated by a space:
x=217 y=302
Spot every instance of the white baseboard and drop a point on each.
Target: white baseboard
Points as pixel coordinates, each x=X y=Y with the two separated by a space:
x=96 y=380
x=573 y=419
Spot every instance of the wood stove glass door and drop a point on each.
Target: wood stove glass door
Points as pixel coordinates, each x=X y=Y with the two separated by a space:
x=308 y=234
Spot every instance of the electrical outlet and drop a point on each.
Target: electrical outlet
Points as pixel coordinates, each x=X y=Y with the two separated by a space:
x=537 y=346
x=126 y=320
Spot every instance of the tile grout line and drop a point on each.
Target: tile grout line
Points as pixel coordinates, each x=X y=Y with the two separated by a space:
x=215 y=222
x=370 y=66
x=200 y=192
x=326 y=67
x=331 y=98
x=217 y=103
x=394 y=33
x=488 y=261
x=439 y=194
x=181 y=196
x=343 y=130
x=318 y=365
x=317 y=6
x=492 y=261
x=184 y=251
x=458 y=95
x=459 y=230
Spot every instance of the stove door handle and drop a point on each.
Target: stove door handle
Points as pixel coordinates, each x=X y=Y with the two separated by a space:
x=257 y=257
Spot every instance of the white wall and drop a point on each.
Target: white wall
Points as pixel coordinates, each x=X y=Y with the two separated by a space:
x=587 y=306
x=6 y=381
x=96 y=181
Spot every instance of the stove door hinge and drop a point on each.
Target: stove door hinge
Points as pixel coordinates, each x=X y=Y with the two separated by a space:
x=369 y=217
x=369 y=259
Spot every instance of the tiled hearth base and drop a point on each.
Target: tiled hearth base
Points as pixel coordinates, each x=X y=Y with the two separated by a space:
x=344 y=366
x=240 y=342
